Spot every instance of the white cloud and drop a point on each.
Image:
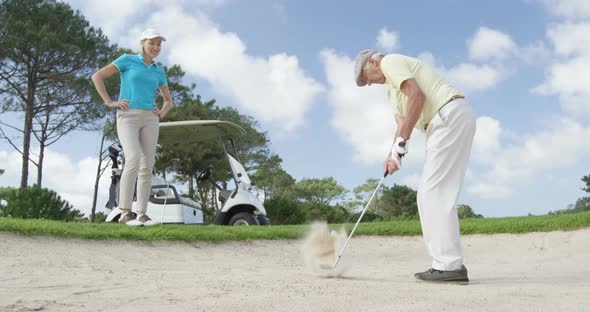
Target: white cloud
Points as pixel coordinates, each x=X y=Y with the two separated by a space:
x=472 y=77
x=561 y=142
x=491 y=52
x=569 y=9
x=486 y=143
x=576 y=105
x=494 y=54
x=569 y=75
x=570 y=38
x=498 y=48
x=489 y=44
x=559 y=146
x=387 y=40
x=72 y=180
x=11 y=163
x=111 y=15
x=490 y=190
x=274 y=89
x=114 y=16
x=467 y=77
x=535 y=53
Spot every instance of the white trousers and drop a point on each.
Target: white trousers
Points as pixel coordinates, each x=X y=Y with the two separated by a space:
x=449 y=137
x=138 y=131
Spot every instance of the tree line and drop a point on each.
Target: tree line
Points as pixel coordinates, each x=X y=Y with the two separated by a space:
x=582 y=204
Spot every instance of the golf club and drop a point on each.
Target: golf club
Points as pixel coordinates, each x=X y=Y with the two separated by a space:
x=327 y=267
x=165 y=200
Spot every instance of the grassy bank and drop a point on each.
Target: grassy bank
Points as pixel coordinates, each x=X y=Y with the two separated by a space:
x=223 y=233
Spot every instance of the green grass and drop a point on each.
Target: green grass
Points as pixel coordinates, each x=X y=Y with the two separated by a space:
x=223 y=233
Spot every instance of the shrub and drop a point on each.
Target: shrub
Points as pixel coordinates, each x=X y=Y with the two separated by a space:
x=465 y=211
x=369 y=216
x=38 y=203
x=324 y=212
x=398 y=202
x=282 y=210
x=4 y=191
x=582 y=204
x=100 y=217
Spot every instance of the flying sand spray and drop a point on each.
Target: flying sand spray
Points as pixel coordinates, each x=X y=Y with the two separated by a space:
x=321 y=245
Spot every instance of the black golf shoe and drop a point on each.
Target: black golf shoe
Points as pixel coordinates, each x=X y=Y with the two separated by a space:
x=448 y=277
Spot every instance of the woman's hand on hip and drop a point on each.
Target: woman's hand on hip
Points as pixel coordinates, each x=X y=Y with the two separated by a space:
x=157 y=112
x=122 y=105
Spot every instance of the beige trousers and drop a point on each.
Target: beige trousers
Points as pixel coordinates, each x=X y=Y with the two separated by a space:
x=448 y=146
x=138 y=131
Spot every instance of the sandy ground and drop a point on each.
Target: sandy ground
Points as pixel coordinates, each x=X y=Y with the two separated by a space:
x=531 y=272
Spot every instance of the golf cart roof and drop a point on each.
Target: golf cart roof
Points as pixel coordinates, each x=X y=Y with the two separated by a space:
x=196 y=131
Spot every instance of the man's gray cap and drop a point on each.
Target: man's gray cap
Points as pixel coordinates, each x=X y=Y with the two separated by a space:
x=359 y=64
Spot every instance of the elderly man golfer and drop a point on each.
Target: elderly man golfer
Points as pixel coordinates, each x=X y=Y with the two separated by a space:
x=426 y=102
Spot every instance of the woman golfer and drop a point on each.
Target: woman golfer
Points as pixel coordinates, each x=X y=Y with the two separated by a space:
x=137 y=120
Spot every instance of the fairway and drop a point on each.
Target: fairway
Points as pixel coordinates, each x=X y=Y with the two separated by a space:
x=188 y=233
x=509 y=272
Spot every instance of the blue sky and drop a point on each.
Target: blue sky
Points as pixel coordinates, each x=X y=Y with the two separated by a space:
x=524 y=65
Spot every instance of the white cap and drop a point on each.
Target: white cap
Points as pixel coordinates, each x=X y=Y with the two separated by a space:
x=151 y=33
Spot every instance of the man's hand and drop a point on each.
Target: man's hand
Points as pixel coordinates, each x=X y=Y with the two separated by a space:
x=392 y=164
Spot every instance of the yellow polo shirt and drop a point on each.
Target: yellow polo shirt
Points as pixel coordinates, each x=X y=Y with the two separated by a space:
x=398 y=68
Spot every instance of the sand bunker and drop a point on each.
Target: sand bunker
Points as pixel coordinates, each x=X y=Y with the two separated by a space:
x=530 y=272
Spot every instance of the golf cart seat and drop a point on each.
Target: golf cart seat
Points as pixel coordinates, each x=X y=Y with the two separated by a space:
x=163 y=192
x=189 y=202
x=224 y=195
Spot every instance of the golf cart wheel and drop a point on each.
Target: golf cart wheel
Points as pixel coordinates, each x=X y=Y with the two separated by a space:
x=263 y=220
x=243 y=218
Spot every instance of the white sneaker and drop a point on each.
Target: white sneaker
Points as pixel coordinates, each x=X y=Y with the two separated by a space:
x=150 y=223
x=147 y=221
x=134 y=222
x=129 y=216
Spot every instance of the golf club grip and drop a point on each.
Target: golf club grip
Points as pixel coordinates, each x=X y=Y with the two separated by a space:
x=385 y=174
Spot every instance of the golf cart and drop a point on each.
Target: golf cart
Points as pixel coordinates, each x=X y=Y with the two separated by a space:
x=242 y=205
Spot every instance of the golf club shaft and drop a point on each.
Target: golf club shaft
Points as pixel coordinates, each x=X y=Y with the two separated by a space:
x=165 y=200
x=359 y=220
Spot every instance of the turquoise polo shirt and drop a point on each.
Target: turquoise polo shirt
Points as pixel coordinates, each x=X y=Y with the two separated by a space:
x=139 y=82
